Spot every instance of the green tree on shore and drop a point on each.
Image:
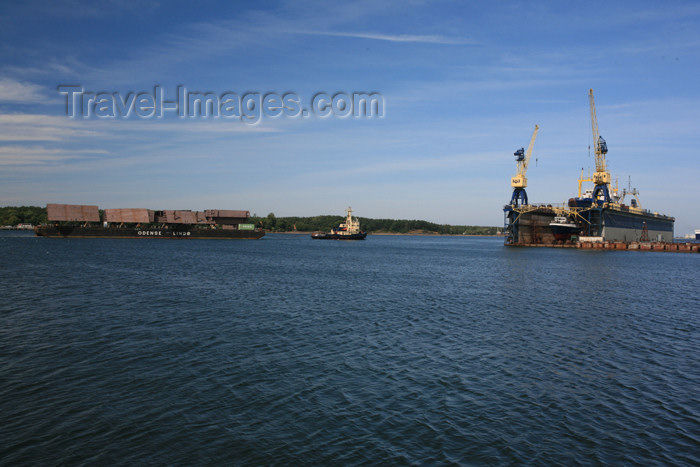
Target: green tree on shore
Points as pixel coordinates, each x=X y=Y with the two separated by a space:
x=272 y=223
x=13 y=215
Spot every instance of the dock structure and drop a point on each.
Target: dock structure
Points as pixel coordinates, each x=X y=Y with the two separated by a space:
x=529 y=226
x=600 y=218
x=619 y=246
x=611 y=222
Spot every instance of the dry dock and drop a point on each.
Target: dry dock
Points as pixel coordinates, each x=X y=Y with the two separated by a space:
x=600 y=218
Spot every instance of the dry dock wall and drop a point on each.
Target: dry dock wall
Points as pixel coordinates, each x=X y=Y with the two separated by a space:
x=619 y=246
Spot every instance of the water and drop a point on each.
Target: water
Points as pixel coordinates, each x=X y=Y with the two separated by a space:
x=393 y=351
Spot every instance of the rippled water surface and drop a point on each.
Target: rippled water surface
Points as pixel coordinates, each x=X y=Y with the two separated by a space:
x=393 y=351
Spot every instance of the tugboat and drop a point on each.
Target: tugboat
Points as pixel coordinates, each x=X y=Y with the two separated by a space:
x=563 y=228
x=349 y=230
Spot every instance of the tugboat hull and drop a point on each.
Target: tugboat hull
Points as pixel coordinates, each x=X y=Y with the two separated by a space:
x=331 y=236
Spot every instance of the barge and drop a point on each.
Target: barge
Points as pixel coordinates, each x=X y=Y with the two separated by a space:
x=86 y=221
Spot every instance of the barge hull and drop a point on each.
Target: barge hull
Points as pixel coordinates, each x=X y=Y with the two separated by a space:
x=125 y=232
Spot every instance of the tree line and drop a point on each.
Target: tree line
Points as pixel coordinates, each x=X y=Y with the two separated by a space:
x=13 y=215
x=273 y=223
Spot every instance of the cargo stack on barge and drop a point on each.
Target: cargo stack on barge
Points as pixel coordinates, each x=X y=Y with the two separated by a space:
x=600 y=218
x=83 y=221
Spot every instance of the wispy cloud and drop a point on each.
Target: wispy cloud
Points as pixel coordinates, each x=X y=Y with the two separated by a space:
x=38 y=127
x=51 y=67
x=20 y=92
x=37 y=155
x=448 y=163
x=194 y=126
x=426 y=39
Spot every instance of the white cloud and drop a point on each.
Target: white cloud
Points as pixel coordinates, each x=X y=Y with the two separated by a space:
x=41 y=127
x=37 y=155
x=20 y=92
x=38 y=127
x=448 y=163
x=427 y=39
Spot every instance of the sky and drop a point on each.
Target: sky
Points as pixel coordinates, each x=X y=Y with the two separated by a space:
x=459 y=86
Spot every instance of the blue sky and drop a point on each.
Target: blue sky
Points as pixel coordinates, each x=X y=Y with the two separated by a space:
x=463 y=85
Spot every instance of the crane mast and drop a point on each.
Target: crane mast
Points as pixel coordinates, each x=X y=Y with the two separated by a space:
x=601 y=176
x=519 y=182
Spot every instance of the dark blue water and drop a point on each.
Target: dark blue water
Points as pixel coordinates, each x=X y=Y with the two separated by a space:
x=393 y=351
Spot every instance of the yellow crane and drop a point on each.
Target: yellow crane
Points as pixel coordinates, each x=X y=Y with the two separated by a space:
x=519 y=182
x=601 y=176
x=581 y=180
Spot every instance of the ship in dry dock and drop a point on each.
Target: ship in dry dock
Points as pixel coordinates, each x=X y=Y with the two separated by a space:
x=86 y=221
x=599 y=215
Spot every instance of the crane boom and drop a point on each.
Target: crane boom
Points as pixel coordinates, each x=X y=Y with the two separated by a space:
x=526 y=162
x=601 y=175
x=522 y=159
x=519 y=182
